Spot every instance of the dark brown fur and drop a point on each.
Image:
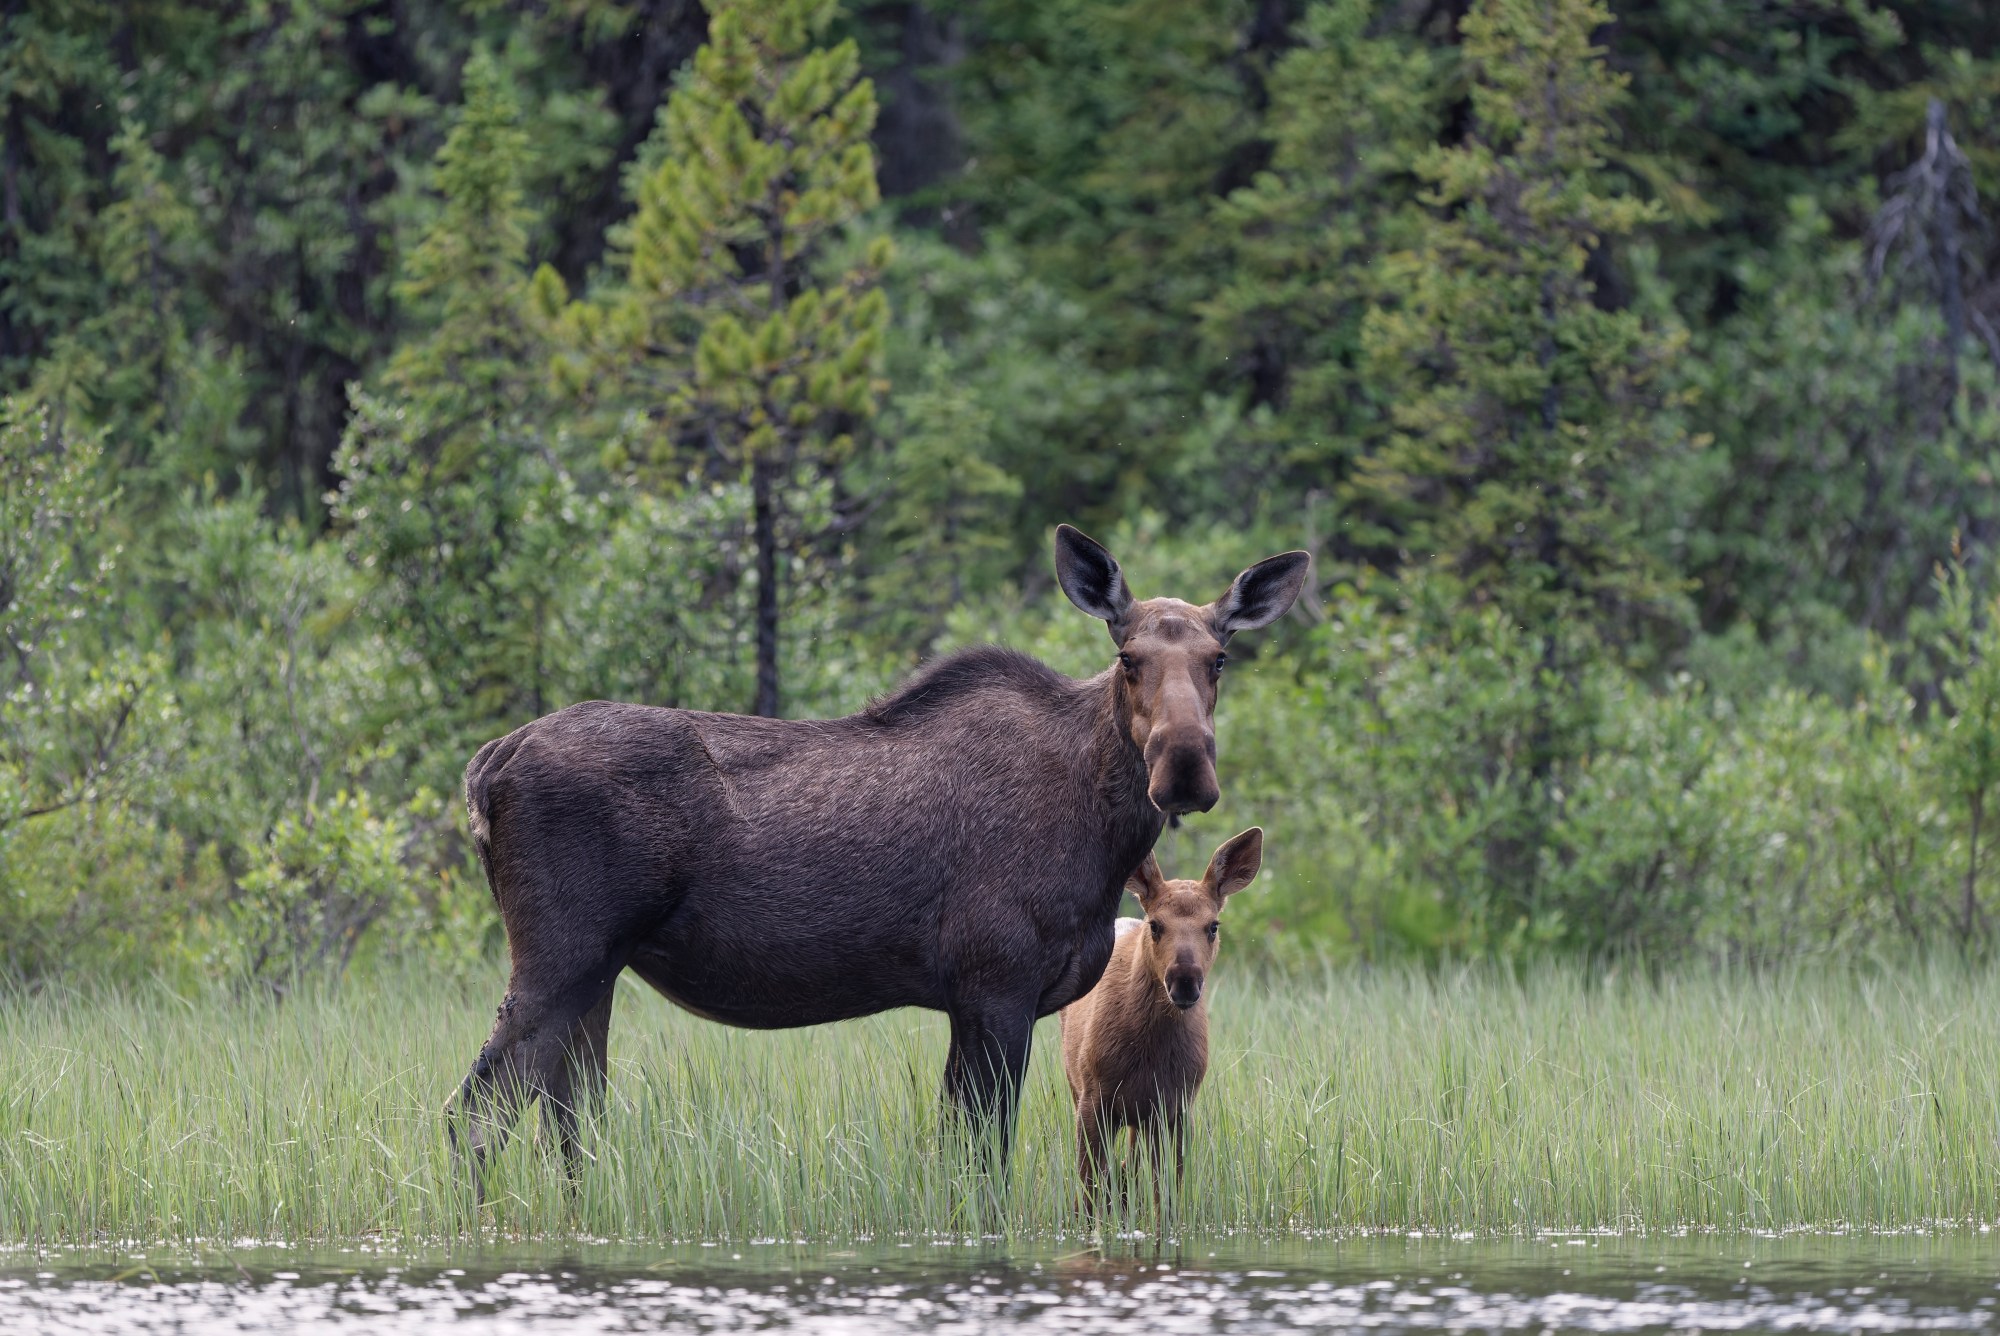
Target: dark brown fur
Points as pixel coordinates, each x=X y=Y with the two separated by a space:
x=958 y=845
x=1135 y=1048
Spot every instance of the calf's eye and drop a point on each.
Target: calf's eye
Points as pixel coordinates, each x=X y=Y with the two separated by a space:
x=1211 y=930
x=1157 y=929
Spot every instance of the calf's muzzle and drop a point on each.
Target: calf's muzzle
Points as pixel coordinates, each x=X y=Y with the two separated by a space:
x=1184 y=986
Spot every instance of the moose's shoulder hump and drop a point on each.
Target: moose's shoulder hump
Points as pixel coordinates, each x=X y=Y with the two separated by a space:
x=968 y=673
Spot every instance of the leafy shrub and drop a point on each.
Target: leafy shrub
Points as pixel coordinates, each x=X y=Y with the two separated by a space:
x=100 y=892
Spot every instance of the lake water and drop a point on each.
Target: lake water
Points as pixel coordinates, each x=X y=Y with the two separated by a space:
x=1551 y=1283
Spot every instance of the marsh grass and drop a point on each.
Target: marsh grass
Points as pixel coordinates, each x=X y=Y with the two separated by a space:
x=1453 y=1102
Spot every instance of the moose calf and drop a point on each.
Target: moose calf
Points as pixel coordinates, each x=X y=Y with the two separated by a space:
x=1136 y=1046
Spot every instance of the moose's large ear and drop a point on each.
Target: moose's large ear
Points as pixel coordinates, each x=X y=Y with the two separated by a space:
x=1091 y=578
x=1261 y=594
x=1145 y=881
x=1235 y=864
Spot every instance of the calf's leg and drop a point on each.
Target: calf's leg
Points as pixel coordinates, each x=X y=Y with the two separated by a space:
x=1094 y=1131
x=1165 y=1149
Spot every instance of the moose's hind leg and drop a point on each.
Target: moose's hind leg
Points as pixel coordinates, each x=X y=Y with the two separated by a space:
x=529 y=1054
x=577 y=1083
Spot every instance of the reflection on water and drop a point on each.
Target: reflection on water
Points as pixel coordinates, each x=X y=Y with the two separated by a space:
x=1735 y=1283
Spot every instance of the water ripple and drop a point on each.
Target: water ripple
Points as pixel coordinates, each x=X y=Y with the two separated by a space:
x=1338 y=1288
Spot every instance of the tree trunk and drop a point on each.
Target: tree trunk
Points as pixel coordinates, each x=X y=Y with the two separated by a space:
x=1969 y=910
x=763 y=486
x=1945 y=258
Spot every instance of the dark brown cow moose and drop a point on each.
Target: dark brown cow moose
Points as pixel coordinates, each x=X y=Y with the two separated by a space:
x=960 y=845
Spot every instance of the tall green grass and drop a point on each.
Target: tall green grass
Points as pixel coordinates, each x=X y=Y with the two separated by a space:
x=1391 y=1100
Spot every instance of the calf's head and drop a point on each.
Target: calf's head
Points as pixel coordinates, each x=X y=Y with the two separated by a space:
x=1170 y=657
x=1182 y=925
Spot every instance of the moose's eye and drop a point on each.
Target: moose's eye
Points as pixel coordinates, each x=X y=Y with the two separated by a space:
x=1155 y=926
x=1212 y=926
x=1220 y=659
x=1127 y=662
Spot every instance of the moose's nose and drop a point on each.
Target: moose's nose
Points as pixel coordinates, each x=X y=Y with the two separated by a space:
x=1184 y=990
x=1182 y=778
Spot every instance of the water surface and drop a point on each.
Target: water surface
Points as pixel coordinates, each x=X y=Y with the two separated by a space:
x=1551 y=1283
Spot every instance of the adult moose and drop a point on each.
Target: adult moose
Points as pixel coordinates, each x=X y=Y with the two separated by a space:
x=960 y=845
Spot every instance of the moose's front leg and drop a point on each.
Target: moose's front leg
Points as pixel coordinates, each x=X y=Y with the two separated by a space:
x=983 y=1072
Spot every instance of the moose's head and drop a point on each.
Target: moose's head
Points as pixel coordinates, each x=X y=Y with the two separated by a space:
x=1170 y=657
x=1181 y=916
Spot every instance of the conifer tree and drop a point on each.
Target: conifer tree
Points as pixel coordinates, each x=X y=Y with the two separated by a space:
x=732 y=331
x=1519 y=400
x=1352 y=105
x=1520 y=405
x=452 y=496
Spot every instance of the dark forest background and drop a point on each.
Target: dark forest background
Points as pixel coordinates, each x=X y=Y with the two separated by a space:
x=382 y=375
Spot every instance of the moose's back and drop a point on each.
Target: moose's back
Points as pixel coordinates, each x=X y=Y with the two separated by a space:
x=776 y=872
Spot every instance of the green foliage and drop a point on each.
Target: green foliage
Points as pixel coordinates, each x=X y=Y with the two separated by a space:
x=102 y=893
x=991 y=331
x=1101 y=128
x=453 y=495
x=1353 y=106
x=1630 y=399
x=1101 y=136
x=278 y=692
x=325 y=878
x=948 y=504
x=1520 y=403
x=724 y=333
x=1739 y=107
x=1966 y=747
x=69 y=710
x=1836 y=460
x=1396 y=756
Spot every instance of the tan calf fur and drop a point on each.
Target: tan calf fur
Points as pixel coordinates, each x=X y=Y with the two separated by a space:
x=1136 y=1046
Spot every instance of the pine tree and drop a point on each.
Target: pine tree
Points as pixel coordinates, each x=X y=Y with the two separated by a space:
x=1520 y=405
x=736 y=335
x=1521 y=401
x=1352 y=105
x=451 y=493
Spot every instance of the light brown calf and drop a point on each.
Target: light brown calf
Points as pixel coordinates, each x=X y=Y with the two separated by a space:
x=1136 y=1046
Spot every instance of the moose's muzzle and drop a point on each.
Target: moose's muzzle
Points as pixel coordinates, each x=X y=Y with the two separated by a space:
x=1180 y=773
x=1184 y=987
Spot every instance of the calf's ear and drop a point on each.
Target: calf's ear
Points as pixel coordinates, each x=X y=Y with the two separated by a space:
x=1235 y=864
x=1261 y=594
x=1145 y=881
x=1091 y=578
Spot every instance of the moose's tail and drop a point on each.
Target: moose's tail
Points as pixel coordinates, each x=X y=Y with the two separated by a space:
x=479 y=775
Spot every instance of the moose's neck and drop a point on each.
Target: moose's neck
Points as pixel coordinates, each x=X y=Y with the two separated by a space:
x=1118 y=771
